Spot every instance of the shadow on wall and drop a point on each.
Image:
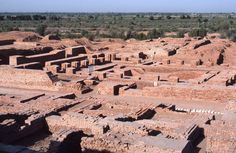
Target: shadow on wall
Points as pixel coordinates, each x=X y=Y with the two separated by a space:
x=95 y=151
x=71 y=144
x=220 y=59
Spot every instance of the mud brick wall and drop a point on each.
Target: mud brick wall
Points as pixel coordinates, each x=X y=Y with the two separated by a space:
x=75 y=121
x=219 y=145
x=190 y=92
x=75 y=51
x=28 y=79
x=221 y=137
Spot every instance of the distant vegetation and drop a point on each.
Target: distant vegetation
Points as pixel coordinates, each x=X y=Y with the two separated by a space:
x=121 y=25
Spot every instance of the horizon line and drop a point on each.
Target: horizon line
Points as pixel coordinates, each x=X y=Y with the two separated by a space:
x=99 y=12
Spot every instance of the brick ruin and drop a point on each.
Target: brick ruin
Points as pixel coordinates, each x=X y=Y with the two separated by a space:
x=167 y=96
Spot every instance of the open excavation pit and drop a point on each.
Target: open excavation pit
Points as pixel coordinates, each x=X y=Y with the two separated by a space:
x=77 y=99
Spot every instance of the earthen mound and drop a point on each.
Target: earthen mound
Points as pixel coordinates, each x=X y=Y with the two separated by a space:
x=85 y=42
x=21 y=36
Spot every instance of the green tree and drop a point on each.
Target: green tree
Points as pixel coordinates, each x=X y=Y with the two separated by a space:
x=188 y=17
x=41 y=29
x=2 y=18
x=182 y=17
x=168 y=17
x=151 y=18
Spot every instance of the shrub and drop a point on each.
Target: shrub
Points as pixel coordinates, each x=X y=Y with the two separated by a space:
x=41 y=29
x=6 y=28
x=180 y=34
x=159 y=18
x=84 y=33
x=155 y=34
x=128 y=35
x=233 y=37
x=140 y=36
x=198 y=32
x=230 y=34
x=224 y=26
x=91 y=37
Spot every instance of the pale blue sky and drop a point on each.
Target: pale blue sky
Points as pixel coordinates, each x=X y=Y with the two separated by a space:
x=118 y=6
